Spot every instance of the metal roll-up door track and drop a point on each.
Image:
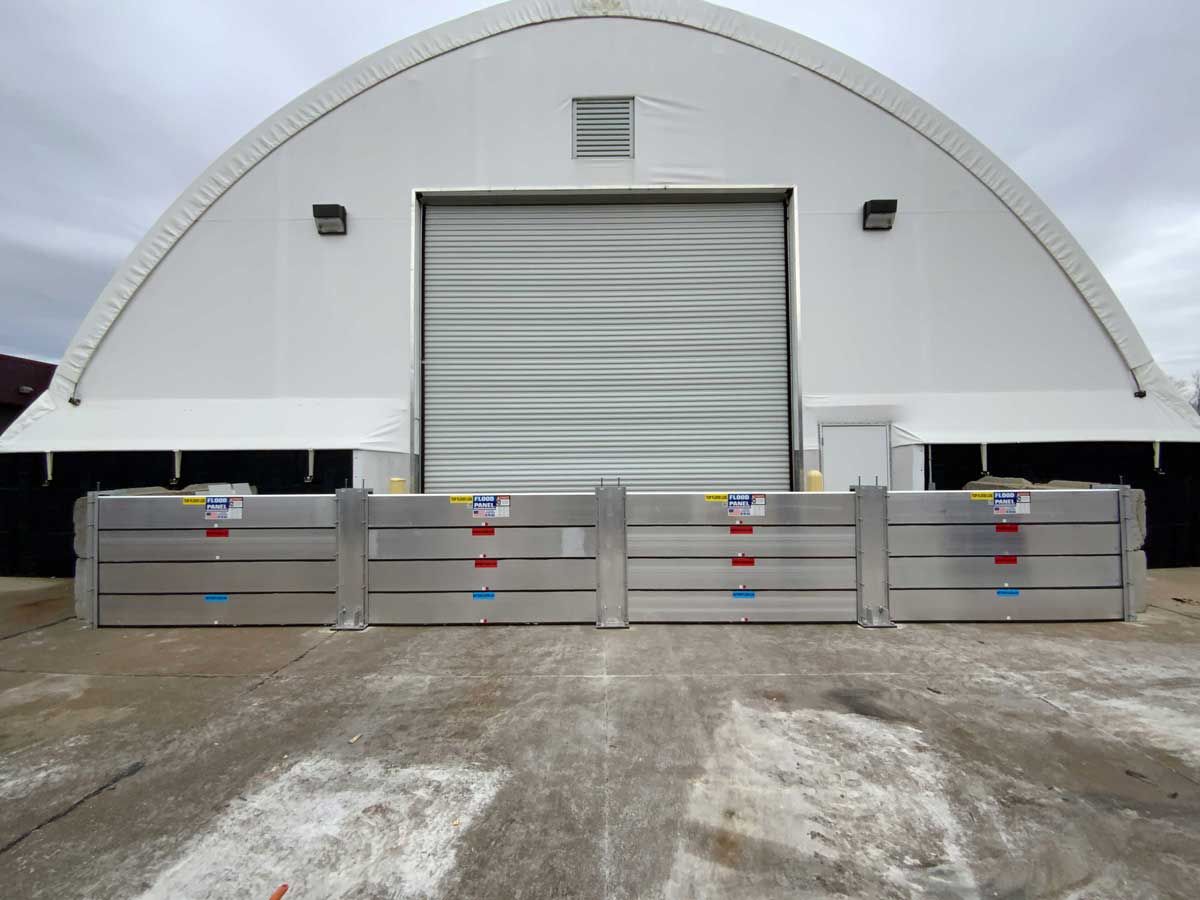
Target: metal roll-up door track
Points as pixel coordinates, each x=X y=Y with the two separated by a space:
x=568 y=343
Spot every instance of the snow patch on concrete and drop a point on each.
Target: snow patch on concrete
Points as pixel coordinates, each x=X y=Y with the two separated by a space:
x=46 y=687
x=861 y=797
x=334 y=829
x=1152 y=717
x=1155 y=705
x=41 y=766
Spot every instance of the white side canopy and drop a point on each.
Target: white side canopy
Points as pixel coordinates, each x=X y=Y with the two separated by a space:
x=234 y=325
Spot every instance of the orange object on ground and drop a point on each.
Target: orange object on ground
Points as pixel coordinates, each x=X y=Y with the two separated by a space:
x=279 y=892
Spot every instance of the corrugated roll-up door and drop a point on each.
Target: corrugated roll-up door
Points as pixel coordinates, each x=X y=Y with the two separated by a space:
x=566 y=343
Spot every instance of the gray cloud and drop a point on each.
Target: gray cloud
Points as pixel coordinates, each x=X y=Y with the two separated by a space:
x=110 y=110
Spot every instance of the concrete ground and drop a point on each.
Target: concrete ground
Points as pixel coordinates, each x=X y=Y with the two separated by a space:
x=552 y=762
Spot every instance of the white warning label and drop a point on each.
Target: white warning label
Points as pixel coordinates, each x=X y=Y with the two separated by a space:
x=742 y=505
x=491 y=506
x=1011 y=503
x=222 y=507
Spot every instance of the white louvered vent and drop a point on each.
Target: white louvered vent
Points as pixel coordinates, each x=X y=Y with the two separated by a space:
x=603 y=127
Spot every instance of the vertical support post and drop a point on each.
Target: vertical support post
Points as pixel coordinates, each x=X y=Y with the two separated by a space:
x=351 y=559
x=91 y=599
x=176 y=466
x=983 y=460
x=49 y=468
x=1125 y=512
x=871 y=556
x=611 y=597
x=312 y=465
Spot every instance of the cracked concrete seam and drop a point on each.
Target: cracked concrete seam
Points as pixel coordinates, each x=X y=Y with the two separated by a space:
x=290 y=662
x=1091 y=726
x=37 y=628
x=135 y=767
x=131 y=769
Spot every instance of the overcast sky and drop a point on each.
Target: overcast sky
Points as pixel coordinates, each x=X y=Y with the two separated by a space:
x=110 y=108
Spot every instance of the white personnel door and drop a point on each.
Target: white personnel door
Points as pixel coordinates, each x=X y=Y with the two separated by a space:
x=855 y=454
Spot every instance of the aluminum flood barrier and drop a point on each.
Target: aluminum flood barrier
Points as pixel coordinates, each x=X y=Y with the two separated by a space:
x=250 y=560
x=610 y=557
x=483 y=558
x=1009 y=555
x=741 y=557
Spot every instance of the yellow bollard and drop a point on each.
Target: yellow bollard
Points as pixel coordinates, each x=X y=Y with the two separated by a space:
x=814 y=480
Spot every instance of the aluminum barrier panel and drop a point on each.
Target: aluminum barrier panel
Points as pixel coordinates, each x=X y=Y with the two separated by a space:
x=741 y=557
x=1007 y=556
x=227 y=560
x=610 y=557
x=484 y=558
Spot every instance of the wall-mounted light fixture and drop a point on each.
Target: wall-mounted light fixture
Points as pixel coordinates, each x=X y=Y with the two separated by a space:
x=330 y=218
x=879 y=215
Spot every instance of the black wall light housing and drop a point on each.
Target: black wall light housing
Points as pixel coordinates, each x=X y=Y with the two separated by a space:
x=330 y=218
x=879 y=215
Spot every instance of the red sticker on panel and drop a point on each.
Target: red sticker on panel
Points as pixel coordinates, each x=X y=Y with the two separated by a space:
x=216 y=532
x=1007 y=528
x=743 y=560
x=1006 y=560
x=485 y=563
x=485 y=531
x=741 y=529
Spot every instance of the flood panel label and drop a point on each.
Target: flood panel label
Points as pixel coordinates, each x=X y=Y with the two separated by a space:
x=491 y=506
x=223 y=507
x=743 y=595
x=1006 y=503
x=483 y=595
x=746 y=505
x=216 y=598
x=1011 y=503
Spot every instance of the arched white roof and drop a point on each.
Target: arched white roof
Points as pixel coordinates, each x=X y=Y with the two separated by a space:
x=779 y=42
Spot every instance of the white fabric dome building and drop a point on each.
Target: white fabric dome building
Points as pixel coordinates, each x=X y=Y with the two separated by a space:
x=605 y=238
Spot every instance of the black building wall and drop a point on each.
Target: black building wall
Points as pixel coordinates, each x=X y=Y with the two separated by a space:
x=36 y=524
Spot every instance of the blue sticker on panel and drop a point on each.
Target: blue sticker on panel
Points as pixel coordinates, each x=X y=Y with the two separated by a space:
x=743 y=595
x=1008 y=592
x=216 y=598
x=483 y=595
